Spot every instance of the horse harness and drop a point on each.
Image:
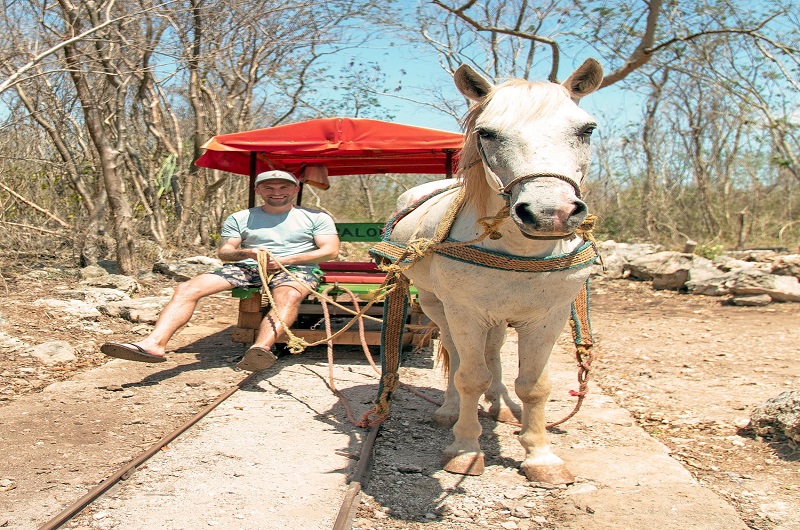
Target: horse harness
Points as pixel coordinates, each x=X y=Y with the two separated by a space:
x=395 y=258
x=505 y=190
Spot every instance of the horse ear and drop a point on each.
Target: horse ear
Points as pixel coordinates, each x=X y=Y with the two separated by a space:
x=585 y=80
x=471 y=84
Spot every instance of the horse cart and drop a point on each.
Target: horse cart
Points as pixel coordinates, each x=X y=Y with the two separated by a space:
x=315 y=150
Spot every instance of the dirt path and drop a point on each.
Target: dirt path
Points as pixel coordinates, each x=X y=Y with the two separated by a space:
x=688 y=369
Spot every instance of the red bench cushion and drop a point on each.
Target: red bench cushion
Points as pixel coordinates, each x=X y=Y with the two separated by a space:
x=353 y=277
x=349 y=266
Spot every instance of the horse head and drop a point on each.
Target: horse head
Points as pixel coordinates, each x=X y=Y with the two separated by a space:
x=532 y=140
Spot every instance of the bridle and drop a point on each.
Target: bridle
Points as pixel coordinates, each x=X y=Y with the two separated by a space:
x=505 y=191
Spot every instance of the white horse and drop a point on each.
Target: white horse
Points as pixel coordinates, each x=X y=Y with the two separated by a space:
x=526 y=147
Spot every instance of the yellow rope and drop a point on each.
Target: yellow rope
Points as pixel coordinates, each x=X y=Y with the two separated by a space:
x=585 y=229
x=298 y=344
x=417 y=248
x=374 y=294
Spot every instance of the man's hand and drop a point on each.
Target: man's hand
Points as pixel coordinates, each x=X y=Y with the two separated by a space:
x=272 y=263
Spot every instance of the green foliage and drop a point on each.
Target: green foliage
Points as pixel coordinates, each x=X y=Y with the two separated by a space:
x=709 y=251
x=165 y=173
x=348 y=200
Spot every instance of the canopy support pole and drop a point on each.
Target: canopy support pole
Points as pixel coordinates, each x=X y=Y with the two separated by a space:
x=448 y=163
x=251 y=192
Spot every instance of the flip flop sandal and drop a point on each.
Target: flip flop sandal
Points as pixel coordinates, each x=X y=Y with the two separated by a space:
x=130 y=352
x=256 y=359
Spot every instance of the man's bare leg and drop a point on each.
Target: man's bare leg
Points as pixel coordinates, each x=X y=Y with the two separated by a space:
x=288 y=297
x=180 y=309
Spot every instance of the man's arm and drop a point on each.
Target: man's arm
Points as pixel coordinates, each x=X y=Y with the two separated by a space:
x=327 y=249
x=229 y=250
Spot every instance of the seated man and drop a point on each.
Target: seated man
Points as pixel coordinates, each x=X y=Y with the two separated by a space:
x=295 y=237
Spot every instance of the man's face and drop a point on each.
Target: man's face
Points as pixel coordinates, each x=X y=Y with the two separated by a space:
x=277 y=192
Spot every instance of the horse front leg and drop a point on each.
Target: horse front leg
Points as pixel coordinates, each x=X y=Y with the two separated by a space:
x=533 y=388
x=501 y=407
x=471 y=379
x=447 y=414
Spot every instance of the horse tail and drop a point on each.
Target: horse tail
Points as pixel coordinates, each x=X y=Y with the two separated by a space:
x=443 y=359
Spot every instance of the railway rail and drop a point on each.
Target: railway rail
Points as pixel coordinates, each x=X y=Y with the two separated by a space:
x=346 y=511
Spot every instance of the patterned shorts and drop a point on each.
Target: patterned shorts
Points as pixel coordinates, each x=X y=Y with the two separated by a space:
x=246 y=275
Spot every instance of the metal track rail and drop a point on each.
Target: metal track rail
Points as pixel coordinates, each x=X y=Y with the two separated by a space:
x=346 y=512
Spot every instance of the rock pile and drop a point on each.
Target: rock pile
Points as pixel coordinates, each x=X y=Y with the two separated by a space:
x=778 y=417
x=752 y=278
x=111 y=294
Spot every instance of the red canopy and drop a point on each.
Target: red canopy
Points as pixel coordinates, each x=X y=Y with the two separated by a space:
x=344 y=146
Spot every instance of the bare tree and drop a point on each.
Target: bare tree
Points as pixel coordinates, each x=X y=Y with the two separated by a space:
x=121 y=87
x=689 y=128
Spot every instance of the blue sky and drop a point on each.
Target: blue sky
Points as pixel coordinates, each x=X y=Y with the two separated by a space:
x=424 y=76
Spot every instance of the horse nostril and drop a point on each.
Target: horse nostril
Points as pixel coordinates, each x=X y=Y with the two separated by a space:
x=525 y=215
x=580 y=209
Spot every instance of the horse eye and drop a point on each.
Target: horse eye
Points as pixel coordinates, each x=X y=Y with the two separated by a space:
x=486 y=134
x=587 y=131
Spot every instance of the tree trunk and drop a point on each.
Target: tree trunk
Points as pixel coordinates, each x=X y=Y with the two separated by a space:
x=188 y=192
x=365 y=186
x=649 y=184
x=109 y=156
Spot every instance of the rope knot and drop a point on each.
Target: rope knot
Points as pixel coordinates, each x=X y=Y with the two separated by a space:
x=418 y=247
x=491 y=224
x=585 y=231
x=586 y=227
x=389 y=383
x=296 y=344
x=392 y=268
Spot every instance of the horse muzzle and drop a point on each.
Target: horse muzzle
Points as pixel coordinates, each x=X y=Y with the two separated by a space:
x=549 y=223
x=547 y=209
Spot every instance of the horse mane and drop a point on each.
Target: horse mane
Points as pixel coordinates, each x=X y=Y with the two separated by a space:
x=546 y=97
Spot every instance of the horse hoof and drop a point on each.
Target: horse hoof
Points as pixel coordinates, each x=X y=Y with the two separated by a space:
x=464 y=463
x=504 y=415
x=443 y=420
x=549 y=474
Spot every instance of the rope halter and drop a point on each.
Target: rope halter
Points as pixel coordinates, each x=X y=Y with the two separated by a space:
x=505 y=190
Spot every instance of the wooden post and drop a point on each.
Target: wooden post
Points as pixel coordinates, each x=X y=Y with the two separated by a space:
x=448 y=153
x=251 y=192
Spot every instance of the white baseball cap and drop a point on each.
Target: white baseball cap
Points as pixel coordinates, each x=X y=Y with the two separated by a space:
x=276 y=175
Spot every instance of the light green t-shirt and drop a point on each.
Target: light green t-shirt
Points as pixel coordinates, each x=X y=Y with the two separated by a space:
x=283 y=234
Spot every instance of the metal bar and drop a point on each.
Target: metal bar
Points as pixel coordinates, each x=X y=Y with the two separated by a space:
x=344 y=520
x=78 y=506
x=251 y=192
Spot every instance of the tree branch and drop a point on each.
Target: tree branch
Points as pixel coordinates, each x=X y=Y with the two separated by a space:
x=643 y=52
x=15 y=77
x=555 y=51
x=34 y=206
x=687 y=38
x=646 y=49
x=34 y=228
